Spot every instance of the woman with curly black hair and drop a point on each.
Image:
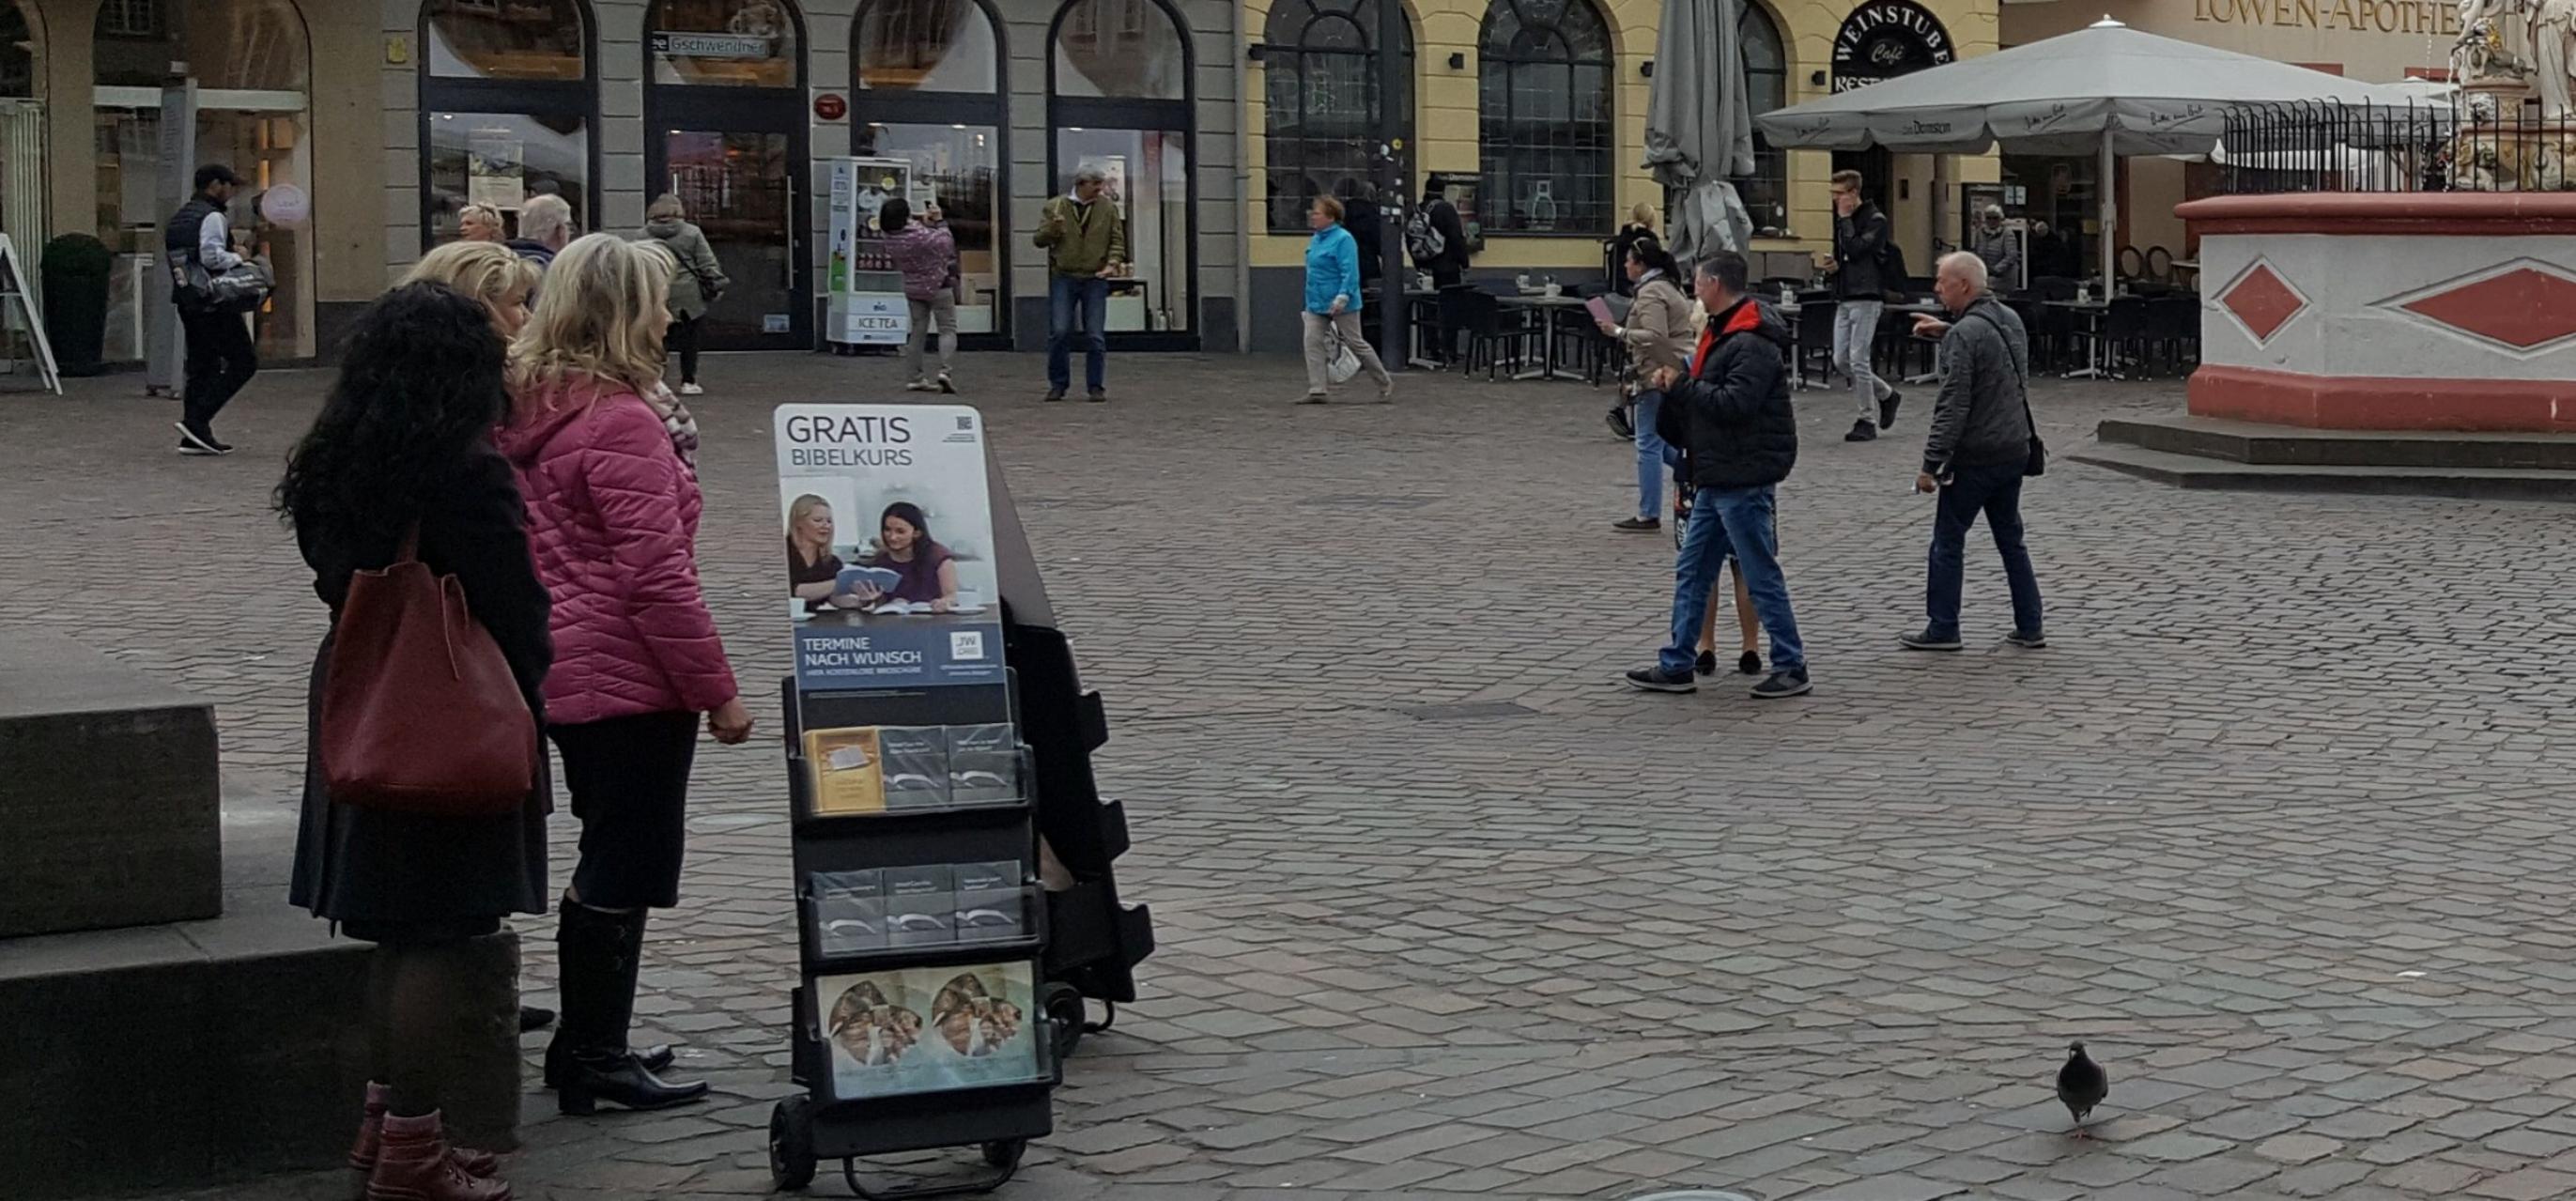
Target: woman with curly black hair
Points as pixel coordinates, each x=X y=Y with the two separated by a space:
x=404 y=444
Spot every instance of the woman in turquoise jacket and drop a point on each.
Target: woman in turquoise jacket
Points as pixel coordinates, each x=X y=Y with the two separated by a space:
x=1332 y=313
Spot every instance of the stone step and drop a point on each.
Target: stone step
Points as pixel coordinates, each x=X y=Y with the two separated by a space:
x=2194 y=471
x=2283 y=445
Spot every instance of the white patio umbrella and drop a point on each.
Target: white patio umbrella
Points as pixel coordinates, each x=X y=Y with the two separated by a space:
x=2109 y=89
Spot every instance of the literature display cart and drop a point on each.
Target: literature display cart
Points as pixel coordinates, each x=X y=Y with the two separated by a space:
x=932 y=1008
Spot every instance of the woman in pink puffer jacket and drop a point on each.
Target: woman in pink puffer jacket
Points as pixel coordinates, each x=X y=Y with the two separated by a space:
x=603 y=454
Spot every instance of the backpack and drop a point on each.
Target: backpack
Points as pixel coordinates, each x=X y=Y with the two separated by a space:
x=1422 y=241
x=1891 y=264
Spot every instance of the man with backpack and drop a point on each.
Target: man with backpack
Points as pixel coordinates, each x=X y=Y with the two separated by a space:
x=1865 y=264
x=197 y=244
x=1437 y=241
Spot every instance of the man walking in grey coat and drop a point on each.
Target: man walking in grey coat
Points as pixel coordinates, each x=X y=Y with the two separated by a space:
x=1978 y=451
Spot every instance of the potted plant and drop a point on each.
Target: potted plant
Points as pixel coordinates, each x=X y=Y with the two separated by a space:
x=76 y=272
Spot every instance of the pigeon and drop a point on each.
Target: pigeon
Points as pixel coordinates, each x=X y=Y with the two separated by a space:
x=2081 y=1085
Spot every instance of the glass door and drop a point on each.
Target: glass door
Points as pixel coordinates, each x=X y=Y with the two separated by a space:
x=743 y=190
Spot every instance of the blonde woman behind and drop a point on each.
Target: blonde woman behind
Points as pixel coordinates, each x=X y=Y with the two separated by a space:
x=603 y=457
x=479 y=223
x=695 y=287
x=1643 y=222
x=486 y=271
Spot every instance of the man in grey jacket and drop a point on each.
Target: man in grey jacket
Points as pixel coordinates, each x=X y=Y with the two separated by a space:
x=1977 y=452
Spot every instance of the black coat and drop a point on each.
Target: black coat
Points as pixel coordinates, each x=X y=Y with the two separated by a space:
x=370 y=866
x=1733 y=417
x=1859 y=242
x=1453 y=235
x=1368 y=228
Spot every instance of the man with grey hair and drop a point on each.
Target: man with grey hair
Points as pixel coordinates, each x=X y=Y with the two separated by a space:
x=1998 y=248
x=1981 y=446
x=545 y=226
x=1085 y=237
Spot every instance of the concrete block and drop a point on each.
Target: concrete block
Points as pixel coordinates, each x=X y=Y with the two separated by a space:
x=109 y=801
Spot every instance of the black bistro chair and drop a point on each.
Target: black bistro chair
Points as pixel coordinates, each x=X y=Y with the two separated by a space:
x=2126 y=326
x=1814 y=356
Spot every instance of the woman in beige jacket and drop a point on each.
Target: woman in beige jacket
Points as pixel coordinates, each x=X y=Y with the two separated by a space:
x=1660 y=333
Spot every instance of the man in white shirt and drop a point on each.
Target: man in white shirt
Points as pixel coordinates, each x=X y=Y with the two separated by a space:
x=220 y=358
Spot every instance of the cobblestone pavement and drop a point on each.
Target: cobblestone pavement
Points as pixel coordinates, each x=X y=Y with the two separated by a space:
x=2277 y=824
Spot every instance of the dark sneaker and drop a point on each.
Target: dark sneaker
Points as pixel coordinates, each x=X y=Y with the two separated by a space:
x=2027 y=639
x=1055 y=394
x=1887 y=409
x=1645 y=525
x=1619 y=423
x=1928 y=641
x=1098 y=396
x=1707 y=664
x=1656 y=679
x=194 y=442
x=1861 y=431
x=1748 y=664
x=1781 y=685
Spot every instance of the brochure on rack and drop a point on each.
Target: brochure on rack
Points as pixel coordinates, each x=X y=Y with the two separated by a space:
x=890 y=551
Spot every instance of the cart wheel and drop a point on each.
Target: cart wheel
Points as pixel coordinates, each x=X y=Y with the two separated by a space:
x=791 y=1144
x=1006 y=1153
x=1063 y=1004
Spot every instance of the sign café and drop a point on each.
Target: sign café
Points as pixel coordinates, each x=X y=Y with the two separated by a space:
x=1887 y=38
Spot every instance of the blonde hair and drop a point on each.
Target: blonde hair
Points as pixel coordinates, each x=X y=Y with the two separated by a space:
x=600 y=315
x=484 y=213
x=802 y=508
x=487 y=271
x=1644 y=214
x=666 y=205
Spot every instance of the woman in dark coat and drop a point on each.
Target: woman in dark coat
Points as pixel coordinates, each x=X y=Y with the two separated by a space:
x=404 y=439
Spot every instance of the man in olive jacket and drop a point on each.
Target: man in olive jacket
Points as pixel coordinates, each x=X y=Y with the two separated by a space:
x=1733 y=416
x=1085 y=237
x=1978 y=451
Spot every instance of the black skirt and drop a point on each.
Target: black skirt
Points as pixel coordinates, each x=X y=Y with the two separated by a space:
x=386 y=872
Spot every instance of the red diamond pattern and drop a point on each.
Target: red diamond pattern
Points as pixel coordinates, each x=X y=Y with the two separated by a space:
x=2522 y=308
x=2263 y=302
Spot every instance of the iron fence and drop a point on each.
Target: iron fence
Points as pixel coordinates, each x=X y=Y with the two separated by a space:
x=2311 y=146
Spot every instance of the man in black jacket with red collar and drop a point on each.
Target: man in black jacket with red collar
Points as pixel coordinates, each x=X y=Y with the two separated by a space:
x=1734 y=419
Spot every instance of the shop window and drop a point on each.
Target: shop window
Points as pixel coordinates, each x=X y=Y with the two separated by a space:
x=506 y=39
x=1320 y=65
x=507 y=109
x=927 y=46
x=1545 y=136
x=1766 y=78
x=1127 y=49
x=723 y=43
x=17 y=53
x=251 y=61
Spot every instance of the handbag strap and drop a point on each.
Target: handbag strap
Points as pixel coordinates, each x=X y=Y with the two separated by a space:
x=2015 y=364
x=410 y=550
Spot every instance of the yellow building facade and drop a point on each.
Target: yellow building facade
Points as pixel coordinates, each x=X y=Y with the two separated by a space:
x=1813 y=42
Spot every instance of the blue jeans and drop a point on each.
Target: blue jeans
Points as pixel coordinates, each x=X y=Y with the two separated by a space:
x=1996 y=492
x=1740 y=521
x=1077 y=307
x=1654 y=456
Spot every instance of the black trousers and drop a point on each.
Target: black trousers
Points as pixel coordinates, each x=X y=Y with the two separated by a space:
x=682 y=340
x=629 y=780
x=220 y=361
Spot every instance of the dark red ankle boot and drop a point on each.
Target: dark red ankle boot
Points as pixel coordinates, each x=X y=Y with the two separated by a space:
x=414 y=1163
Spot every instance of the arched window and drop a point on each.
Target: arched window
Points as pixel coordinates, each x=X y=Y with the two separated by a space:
x=930 y=93
x=252 y=62
x=506 y=109
x=1119 y=102
x=1546 y=136
x=726 y=43
x=727 y=131
x=1766 y=78
x=1319 y=58
x=17 y=53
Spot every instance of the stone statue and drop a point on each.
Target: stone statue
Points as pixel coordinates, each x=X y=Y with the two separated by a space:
x=2552 y=33
x=2494 y=41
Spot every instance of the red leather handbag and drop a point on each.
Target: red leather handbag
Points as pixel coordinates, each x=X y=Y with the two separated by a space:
x=420 y=713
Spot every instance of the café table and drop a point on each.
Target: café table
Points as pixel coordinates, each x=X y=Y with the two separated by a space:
x=1550 y=309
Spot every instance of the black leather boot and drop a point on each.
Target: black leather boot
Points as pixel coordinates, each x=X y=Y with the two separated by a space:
x=588 y=1059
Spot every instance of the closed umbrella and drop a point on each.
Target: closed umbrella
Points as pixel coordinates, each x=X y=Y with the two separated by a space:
x=1699 y=125
x=2108 y=89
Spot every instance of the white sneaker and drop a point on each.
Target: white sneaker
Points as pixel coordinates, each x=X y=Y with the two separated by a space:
x=692 y=390
x=915 y=385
